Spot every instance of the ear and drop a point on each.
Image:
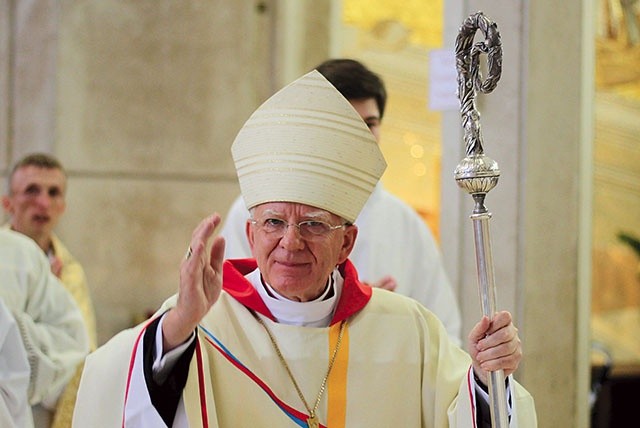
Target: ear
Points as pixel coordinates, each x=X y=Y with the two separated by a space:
x=348 y=241
x=248 y=230
x=6 y=204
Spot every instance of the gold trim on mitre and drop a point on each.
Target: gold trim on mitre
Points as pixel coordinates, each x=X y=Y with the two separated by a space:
x=307 y=144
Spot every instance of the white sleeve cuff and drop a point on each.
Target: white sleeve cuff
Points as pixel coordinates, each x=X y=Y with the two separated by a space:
x=163 y=364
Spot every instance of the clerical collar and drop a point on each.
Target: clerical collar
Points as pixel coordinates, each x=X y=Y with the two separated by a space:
x=315 y=313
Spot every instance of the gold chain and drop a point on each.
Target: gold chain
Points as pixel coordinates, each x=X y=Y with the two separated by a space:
x=312 y=412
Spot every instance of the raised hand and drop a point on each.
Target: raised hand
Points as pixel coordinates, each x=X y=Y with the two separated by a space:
x=200 y=284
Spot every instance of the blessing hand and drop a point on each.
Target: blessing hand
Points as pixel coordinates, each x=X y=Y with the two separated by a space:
x=200 y=284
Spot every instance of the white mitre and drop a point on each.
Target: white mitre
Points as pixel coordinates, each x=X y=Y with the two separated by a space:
x=307 y=144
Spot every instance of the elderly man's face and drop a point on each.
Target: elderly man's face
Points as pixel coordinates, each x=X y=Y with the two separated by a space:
x=36 y=200
x=298 y=266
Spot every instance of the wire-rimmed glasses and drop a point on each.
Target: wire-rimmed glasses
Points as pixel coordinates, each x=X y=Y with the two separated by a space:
x=275 y=228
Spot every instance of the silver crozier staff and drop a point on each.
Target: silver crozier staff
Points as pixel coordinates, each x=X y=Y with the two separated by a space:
x=477 y=174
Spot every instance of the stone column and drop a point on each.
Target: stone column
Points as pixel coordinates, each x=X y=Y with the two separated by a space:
x=33 y=76
x=302 y=34
x=5 y=88
x=28 y=55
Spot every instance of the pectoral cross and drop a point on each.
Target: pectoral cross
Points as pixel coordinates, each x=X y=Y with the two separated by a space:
x=312 y=422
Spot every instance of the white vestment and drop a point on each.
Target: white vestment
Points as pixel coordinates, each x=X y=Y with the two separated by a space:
x=396 y=367
x=14 y=374
x=50 y=323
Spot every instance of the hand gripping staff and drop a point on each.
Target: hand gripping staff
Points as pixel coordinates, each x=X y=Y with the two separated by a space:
x=477 y=173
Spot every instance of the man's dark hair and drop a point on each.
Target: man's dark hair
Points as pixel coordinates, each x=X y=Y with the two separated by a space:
x=354 y=80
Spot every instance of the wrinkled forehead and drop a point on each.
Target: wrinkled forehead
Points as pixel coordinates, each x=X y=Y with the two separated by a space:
x=291 y=209
x=40 y=176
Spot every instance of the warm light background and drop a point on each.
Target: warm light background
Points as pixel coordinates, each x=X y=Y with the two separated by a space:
x=394 y=39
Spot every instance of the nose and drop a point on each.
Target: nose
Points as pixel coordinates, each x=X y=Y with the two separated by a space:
x=43 y=199
x=291 y=238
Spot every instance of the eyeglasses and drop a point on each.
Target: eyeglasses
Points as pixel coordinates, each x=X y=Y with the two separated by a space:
x=275 y=228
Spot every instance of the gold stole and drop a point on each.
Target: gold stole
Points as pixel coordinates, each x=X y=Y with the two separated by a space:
x=337 y=382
